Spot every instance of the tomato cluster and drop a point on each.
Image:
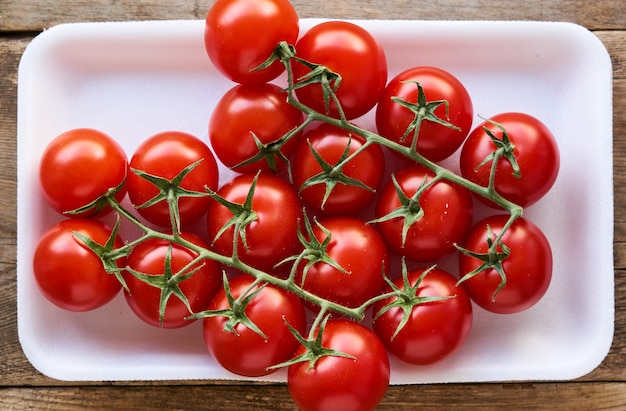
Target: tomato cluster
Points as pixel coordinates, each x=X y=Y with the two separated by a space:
x=324 y=219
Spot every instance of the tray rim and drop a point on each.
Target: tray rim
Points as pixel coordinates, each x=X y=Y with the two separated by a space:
x=153 y=26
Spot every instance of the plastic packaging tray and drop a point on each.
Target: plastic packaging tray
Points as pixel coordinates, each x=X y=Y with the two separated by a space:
x=134 y=79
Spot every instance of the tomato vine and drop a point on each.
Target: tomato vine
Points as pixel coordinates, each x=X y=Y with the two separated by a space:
x=314 y=251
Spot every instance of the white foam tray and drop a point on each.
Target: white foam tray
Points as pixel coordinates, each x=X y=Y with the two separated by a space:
x=135 y=79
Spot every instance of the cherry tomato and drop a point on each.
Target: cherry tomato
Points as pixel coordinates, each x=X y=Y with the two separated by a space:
x=536 y=153
x=165 y=155
x=240 y=35
x=330 y=143
x=68 y=273
x=149 y=257
x=80 y=166
x=528 y=268
x=447 y=215
x=435 y=141
x=350 y=51
x=434 y=329
x=244 y=351
x=359 y=250
x=272 y=236
x=347 y=384
x=247 y=109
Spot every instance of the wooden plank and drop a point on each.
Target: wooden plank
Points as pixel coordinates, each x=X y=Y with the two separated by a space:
x=10 y=51
x=34 y=15
x=475 y=397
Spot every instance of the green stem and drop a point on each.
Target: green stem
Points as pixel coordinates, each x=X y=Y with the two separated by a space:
x=289 y=284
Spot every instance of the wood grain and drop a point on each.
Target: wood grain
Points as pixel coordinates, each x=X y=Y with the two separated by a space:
x=22 y=387
x=35 y=15
x=466 y=397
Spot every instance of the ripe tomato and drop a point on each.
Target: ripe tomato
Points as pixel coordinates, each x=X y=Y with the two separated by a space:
x=330 y=143
x=528 y=268
x=149 y=258
x=347 y=384
x=536 y=153
x=447 y=215
x=68 y=273
x=240 y=35
x=247 y=109
x=357 y=248
x=434 y=329
x=350 y=51
x=273 y=235
x=80 y=166
x=165 y=155
x=435 y=141
x=244 y=351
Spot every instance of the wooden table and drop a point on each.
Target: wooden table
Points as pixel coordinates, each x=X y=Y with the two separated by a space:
x=22 y=387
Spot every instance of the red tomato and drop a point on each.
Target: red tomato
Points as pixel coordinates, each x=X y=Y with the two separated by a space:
x=354 y=54
x=165 y=155
x=68 y=273
x=528 y=268
x=240 y=35
x=447 y=215
x=80 y=166
x=357 y=248
x=273 y=235
x=149 y=257
x=434 y=329
x=436 y=141
x=536 y=153
x=330 y=143
x=244 y=351
x=246 y=109
x=340 y=383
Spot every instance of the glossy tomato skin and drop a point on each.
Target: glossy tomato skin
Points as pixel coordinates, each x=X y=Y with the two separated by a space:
x=273 y=236
x=536 y=152
x=68 y=273
x=435 y=142
x=246 y=109
x=356 y=247
x=342 y=383
x=435 y=329
x=447 y=217
x=246 y=352
x=165 y=155
x=330 y=143
x=240 y=35
x=79 y=166
x=355 y=55
x=148 y=257
x=528 y=268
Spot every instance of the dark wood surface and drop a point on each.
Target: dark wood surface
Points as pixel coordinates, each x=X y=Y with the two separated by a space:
x=22 y=387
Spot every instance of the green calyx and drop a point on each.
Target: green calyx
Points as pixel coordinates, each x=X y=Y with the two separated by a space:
x=314 y=350
x=100 y=203
x=313 y=251
x=331 y=175
x=326 y=78
x=505 y=149
x=492 y=259
x=168 y=282
x=243 y=215
x=406 y=298
x=170 y=191
x=236 y=313
x=423 y=110
x=409 y=210
x=107 y=253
